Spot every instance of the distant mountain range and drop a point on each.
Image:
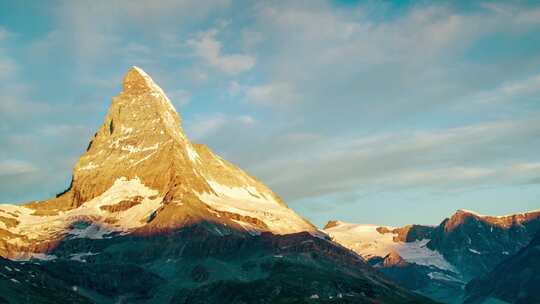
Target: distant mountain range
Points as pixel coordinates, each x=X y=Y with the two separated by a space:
x=439 y=261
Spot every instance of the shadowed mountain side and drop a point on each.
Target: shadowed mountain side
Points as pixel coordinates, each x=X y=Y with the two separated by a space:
x=514 y=280
x=206 y=260
x=476 y=243
x=29 y=283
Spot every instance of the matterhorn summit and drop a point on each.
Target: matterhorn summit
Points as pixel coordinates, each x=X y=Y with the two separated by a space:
x=141 y=174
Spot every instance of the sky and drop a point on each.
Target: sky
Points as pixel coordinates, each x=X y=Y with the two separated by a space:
x=382 y=112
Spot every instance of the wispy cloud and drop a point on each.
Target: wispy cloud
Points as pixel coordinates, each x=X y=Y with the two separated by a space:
x=318 y=99
x=14 y=167
x=273 y=94
x=510 y=90
x=207 y=125
x=457 y=158
x=206 y=46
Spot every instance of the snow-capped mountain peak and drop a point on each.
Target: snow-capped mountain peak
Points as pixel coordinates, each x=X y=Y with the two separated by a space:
x=140 y=173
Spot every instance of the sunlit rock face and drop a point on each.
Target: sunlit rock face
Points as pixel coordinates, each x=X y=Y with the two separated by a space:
x=140 y=173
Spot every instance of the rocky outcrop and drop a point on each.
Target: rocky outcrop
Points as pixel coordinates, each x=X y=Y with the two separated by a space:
x=393 y=259
x=411 y=233
x=123 y=205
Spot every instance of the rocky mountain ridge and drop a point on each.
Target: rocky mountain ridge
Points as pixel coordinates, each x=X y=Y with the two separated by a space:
x=439 y=260
x=475 y=243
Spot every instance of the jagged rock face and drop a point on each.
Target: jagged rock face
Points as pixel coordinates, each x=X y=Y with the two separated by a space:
x=141 y=137
x=141 y=174
x=475 y=243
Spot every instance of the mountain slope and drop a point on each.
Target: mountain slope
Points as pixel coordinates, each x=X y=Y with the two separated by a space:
x=28 y=283
x=515 y=280
x=208 y=263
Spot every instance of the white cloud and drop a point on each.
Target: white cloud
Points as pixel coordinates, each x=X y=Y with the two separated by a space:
x=206 y=46
x=98 y=32
x=14 y=167
x=491 y=153
x=208 y=125
x=8 y=67
x=273 y=94
x=509 y=90
x=4 y=34
x=179 y=97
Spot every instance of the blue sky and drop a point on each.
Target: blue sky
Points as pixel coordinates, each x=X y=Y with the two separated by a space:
x=370 y=112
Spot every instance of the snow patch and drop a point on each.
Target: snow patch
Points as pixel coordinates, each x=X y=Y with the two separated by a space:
x=248 y=201
x=443 y=277
x=192 y=154
x=368 y=242
x=135 y=149
x=471 y=212
x=89 y=166
x=79 y=257
x=94 y=232
x=474 y=251
x=39 y=227
x=42 y=257
x=126 y=130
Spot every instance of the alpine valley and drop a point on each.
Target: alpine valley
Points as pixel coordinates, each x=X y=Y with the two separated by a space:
x=151 y=217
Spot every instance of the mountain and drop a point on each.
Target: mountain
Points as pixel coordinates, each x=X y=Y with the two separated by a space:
x=150 y=217
x=438 y=261
x=402 y=254
x=141 y=173
x=475 y=243
x=515 y=280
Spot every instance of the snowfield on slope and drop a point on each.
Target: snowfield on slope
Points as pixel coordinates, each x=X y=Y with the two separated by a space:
x=37 y=226
x=248 y=201
x=368 y=242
